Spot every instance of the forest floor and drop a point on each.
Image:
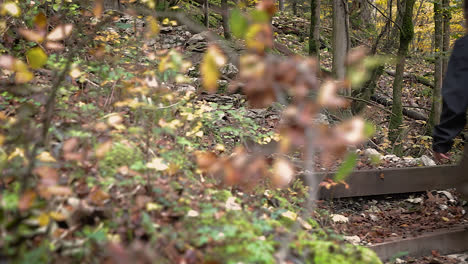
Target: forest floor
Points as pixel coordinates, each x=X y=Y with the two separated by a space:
x=182 y=217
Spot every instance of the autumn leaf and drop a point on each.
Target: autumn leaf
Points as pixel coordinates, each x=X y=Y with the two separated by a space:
x=45 y=157
x=43 y=219
x=40 y=21
x=60 y=32
x=209 y=68
x=26 y=200
x=283 y=172
x=238 y=23
x=328 y=95
x=31 y=35
x=7 y=62
x=157 y=164
x=205 y=159
x=98 y=196
x=153 y=27
x=36 y=57
x=23 y=77
x=103 y=148
x=11 y=8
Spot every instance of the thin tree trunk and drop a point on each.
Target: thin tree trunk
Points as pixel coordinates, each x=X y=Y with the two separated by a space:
x=294 y=7
x=225 y=8
x=281 y=5
x=417 y=23
x=206 y=12
x=340 y=38
x=368 y=89
x=314 y=33
x=446 y=37
x=438 y=48
x=406 y=35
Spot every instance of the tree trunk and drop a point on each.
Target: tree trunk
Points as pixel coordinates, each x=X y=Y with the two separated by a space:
x=281 y=5
x=340 y=38
x=206 y=12
x=368 y=89
x=294 y=7
x=406 y=35
x=314 y=33
x=225 y=8
x=446 y=37
x=438 y=48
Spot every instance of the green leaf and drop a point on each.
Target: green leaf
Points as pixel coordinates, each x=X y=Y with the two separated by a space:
x=36 y=57
x=346 y=167
x=238 y=23
x=259 y=16
x=369 y=129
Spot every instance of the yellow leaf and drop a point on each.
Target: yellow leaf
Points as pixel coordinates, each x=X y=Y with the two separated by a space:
x=11 y=8
x=60 y=32
x=157 y=164
x=19 y=152
x=153 y=207
x=153 y=28
x=43 y=219
x=23 y=77
x=45 y=157
x=58 y=190
x=40 y=21
x=36 y=57
x=209 y=68
x=75 y=73
x=165 y=21
x=57 y=216
x=290 y=215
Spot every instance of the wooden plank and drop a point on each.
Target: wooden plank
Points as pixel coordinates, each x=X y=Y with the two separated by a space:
x=394 y=181
x=447 y=241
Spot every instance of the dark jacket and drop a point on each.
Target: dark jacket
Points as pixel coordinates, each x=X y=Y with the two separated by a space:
x=454 y=97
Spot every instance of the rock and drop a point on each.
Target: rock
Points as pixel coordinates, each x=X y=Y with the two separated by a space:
x=321 y=119
x=222 y=83
x=166 y=46
x=372 y=154
x=426 y=161
x=232 y=205
x=337 y=218
x=373 y=217
x=200 y=37
x=185 y=88
x=448 y=195
x=230 y=70
x=391 y=157
x=193 y=213
x=355 y=240
x=411 y=161
x=443 y=207
x=399 y=261
x=418 y=200
x=197 y=42
x=166 y=29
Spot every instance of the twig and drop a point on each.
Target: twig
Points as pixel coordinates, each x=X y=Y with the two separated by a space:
x=382 y=13
x=49 y=109
x=368 y=102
